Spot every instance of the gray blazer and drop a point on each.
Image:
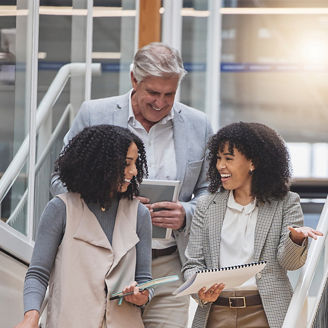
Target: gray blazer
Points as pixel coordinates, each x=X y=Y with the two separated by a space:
x=272 y=243
x=191 y=131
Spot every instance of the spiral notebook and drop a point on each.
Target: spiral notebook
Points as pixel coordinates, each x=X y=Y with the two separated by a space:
x=232 y=276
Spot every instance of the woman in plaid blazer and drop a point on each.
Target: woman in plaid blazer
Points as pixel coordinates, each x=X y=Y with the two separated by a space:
x=249 y=215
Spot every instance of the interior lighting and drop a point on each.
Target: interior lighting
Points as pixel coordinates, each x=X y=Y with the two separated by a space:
x=42 y=55
x=314 y=51
x=119 y=12
x=106 y=55
x=69 y=11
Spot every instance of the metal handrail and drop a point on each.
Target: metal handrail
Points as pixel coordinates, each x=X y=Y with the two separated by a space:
x=307 y=273
x=45 y=152
x=55 y=89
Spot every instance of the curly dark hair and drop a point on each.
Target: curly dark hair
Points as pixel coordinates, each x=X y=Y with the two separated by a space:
x=267 y=151
x=93 y=163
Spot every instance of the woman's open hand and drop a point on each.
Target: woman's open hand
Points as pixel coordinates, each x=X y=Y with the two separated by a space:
x=211 y=294
x=138 y=297
x=298 y=235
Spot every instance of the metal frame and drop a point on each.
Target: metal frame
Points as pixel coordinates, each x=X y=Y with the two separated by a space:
x=172 y=27
x=11 y=240
x=213 y=64
x=53 y=137
x=136 y=26
x=31 y=104
x=172 y=23
x=307 y=273
x=55 y=89
x=15 y=243
x=88 y=51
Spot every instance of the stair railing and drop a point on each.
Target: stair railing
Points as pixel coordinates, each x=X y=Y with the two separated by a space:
x=306 y=276
x=11 y=240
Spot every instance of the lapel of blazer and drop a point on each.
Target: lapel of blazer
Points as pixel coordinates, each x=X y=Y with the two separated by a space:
x=180 y=126
x=264 y=219
x=216 y=212
x=121 y=111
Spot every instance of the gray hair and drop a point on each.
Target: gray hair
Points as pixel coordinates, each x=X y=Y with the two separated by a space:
x=157 y=59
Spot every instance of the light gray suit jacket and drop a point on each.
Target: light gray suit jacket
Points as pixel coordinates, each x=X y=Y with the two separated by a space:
x=272 y=244
x=191 y=131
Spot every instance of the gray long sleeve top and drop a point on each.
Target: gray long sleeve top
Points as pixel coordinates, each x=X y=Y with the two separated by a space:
x=50 y=234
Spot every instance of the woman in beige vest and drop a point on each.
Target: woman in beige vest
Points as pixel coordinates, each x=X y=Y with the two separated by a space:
x=95 y=239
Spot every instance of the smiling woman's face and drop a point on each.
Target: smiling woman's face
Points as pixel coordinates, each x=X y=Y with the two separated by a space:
x=234 y=169
x=130 y=170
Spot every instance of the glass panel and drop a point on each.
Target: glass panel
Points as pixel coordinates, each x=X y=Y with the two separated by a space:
x=193 y=50
x=321 y=318
x=55 y=50
x=113 y=46
x=57 y=26
x=274 y=71
x=14 y=116
x=7 y=94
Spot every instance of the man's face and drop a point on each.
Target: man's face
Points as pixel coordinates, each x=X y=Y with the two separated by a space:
x=153 y=98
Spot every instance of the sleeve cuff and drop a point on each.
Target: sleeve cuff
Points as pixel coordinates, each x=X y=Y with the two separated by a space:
x=304 y=242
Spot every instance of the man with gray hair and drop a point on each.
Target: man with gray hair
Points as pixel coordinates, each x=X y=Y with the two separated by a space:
x=175 y=138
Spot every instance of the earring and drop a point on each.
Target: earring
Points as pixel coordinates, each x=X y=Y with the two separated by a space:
x=250 y=172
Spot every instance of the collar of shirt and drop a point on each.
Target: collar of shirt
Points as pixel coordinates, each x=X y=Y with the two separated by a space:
x=132 y=119
x=249 y=208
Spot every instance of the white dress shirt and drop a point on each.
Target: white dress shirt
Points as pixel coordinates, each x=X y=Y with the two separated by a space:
x=237 y=237
x=160 y=152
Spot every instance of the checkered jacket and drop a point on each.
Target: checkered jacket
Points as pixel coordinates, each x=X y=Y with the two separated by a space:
x=272 y=243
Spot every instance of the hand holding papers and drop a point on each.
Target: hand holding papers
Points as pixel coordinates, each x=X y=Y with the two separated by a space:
x=231 y=277
x=159 y=191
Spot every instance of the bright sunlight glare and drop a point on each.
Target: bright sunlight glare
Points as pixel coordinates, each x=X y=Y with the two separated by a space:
x=314 y=51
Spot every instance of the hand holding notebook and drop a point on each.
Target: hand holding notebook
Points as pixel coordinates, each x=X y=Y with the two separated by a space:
x=160 y=191
x=232 y=276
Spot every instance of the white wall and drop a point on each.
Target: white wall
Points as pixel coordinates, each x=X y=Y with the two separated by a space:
x=12 y=274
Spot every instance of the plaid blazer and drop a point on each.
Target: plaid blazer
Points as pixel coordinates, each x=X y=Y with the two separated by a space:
x=272 y=243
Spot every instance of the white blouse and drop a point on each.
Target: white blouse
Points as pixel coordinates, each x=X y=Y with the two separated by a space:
x=237 y=237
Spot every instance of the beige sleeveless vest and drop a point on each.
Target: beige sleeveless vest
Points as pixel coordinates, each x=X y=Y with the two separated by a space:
x=86 y=263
